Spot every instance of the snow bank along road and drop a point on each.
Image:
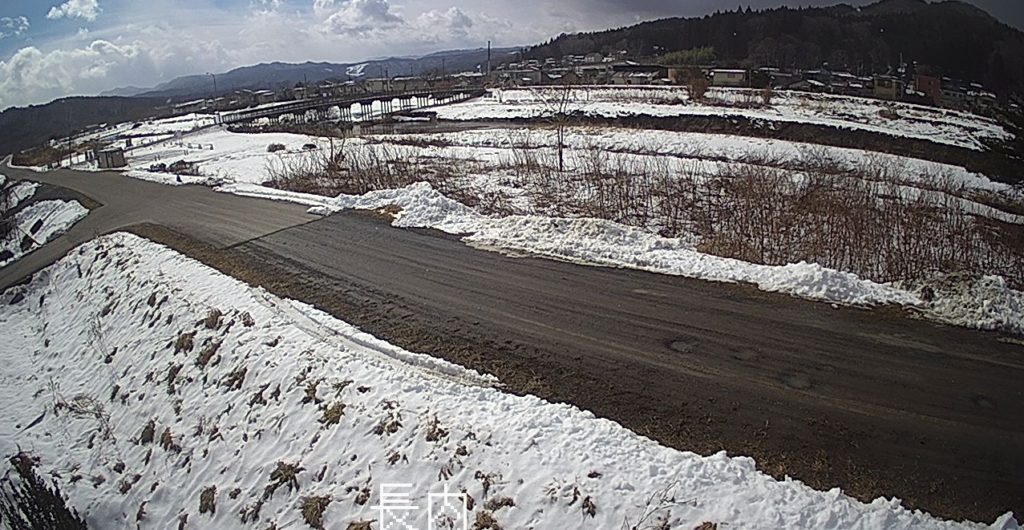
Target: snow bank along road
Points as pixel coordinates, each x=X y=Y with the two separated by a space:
x=877 y=403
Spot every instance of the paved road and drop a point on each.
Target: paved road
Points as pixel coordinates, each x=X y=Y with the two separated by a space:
x=874 y=402
x=216 y=218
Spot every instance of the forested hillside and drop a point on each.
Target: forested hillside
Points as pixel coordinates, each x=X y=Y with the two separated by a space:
x=948 y=38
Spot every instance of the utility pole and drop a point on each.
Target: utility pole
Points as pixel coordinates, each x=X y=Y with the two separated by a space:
x=488 y=60
x=214 y=83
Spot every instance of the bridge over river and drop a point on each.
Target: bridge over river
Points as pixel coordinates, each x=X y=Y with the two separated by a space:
x=351 y=107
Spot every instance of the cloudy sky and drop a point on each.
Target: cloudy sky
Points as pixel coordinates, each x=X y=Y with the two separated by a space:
x=54 y=48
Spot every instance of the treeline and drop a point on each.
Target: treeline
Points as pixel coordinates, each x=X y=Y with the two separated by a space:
x=948 y=38
x=22 y=128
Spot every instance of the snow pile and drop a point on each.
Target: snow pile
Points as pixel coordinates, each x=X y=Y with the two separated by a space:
x=157 y=391
x=421 y=207
x=20 y=192
x=984 y=303
x=600 y=242
x=37 y=224
x=906 y=120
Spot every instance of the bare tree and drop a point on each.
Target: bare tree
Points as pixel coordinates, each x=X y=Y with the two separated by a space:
x=559 y=113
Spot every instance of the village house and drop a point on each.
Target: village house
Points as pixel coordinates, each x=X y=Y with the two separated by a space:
x=264 y=96
x=930 y=87
x=728 y=78
x=888 y=87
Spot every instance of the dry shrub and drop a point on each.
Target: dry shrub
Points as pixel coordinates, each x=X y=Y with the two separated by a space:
x=213 y=319
x=485 y=521
x=876 y=220
x=167 y=442
x=185 y=342
x=208 y=500
x=207 y=353
x=434 y=430
x=148 y=433
x=332 y=415
x=284 y=474
x=235 y=379
x=359 y=169
x=313 y=508
x=497 y=503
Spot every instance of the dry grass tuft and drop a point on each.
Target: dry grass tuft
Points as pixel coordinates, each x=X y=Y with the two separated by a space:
x=359 y=525
x=167 y=442
x=485 y=521
x=313 y=508
x=284 y=474
x=207 y=353
x=332 y=415
x=208 y=500
x=148 y=433
x=172 y=376
x=310 y=393
x=236 y=378
x=434 y=430
x=213 y=319
x=588 y=507
x=185 y=342
x=497 y=503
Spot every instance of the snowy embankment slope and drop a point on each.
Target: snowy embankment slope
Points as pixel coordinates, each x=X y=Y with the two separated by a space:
x=943 y=126
x=591 y=241
x=143 y=380
x=36 y=223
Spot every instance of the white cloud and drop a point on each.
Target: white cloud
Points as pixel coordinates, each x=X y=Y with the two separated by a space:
x=32 y=75
x=358 y=17
x=152 y=42
x=452 y=23
x=265 y=5
x=13 y=26
x=84 y=9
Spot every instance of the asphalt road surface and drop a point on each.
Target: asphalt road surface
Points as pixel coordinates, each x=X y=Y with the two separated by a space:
x=875 y=402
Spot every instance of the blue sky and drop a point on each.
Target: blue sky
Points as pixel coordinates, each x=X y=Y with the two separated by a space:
x=55 y=48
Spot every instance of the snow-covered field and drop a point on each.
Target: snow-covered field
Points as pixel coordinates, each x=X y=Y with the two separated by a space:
x=229 y=157
x=913 y=121
x=220 y=155
x=36 y=223
x=146 y=383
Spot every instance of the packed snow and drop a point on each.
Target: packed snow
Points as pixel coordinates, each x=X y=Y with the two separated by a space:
x=146 y=383
x=912 y=121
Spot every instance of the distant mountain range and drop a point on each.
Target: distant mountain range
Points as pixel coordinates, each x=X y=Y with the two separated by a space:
x=278 y=75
